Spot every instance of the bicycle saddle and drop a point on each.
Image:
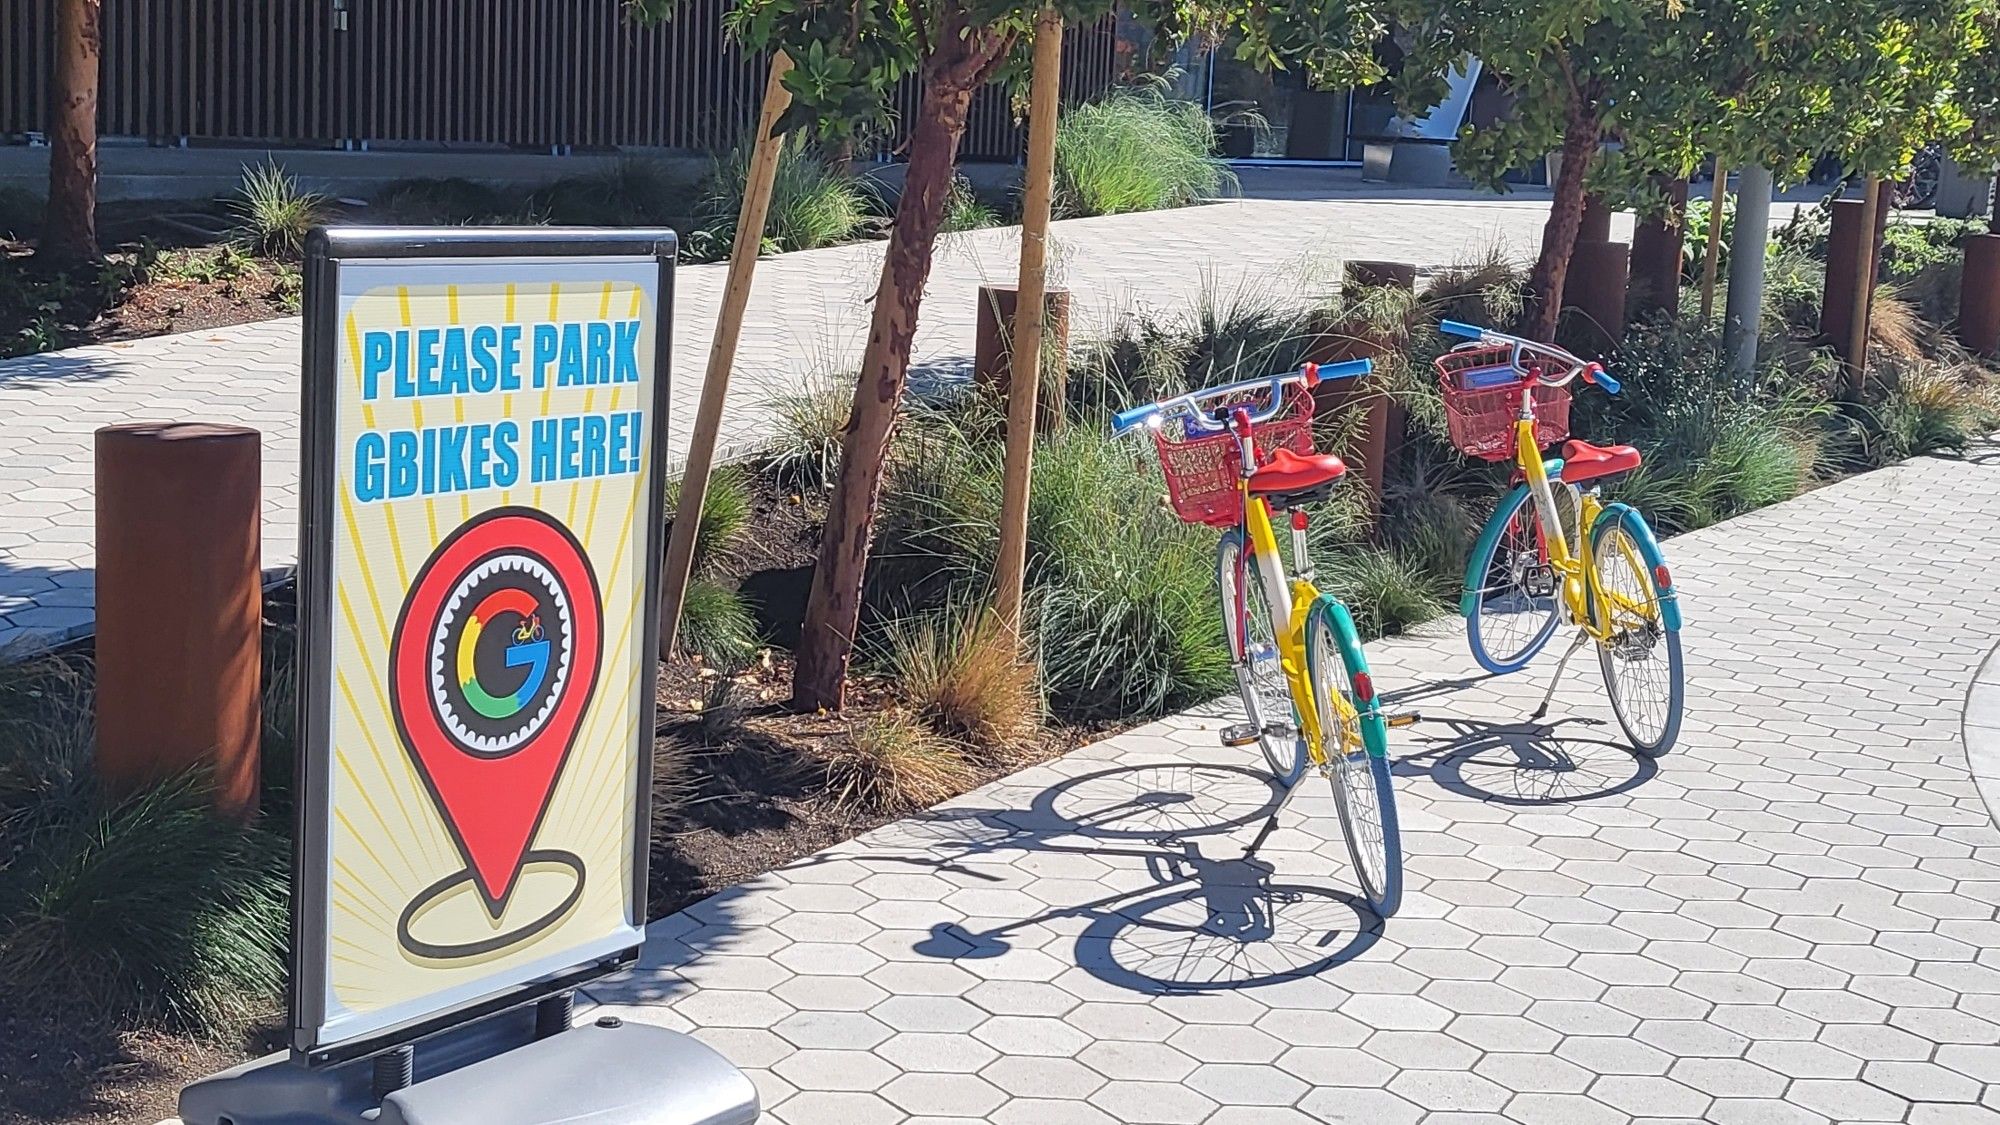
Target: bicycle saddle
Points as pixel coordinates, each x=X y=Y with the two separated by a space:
x=1583 y=461
x=1291 y=472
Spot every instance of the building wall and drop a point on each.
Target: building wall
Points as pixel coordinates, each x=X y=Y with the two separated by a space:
x=535 y=74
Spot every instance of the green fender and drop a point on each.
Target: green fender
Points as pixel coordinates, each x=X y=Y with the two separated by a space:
x=1374 y=733
x=1649 y=553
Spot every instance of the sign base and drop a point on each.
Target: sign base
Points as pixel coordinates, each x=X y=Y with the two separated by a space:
x=495 y=1073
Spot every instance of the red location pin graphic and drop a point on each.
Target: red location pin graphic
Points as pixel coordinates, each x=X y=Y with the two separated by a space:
x=493 y=662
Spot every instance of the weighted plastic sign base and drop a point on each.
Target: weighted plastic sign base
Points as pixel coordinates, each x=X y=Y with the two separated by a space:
x=629 y=1074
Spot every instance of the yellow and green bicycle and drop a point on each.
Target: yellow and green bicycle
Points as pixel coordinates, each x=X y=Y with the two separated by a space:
x=1553 y=551
x=1233 y=455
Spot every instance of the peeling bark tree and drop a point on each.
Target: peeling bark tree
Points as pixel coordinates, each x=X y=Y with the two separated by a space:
x=69 y=225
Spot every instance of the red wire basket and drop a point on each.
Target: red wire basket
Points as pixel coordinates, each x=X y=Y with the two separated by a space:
x=1482 y=398
x=1204 y=471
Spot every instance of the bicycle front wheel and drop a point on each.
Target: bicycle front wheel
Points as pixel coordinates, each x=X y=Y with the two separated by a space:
x=1511 y=603
x=1354 y=746
x=1641 y=652
x=1253 y=648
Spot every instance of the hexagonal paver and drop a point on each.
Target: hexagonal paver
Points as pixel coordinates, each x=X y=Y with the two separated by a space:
x=945 y=1095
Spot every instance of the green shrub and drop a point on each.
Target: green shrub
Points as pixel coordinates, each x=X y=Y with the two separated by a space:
x=805 y=452
x=1794 y=286
x=811 y=204
x=1386 y=591
x=725 y=515
x=1136 y=149
x=20 y=213
x=633 y=191
x=963 y=209
x=716 y=625
x=273 y=213
x=1925 y=408
x=450 y=201
x=1694 y=238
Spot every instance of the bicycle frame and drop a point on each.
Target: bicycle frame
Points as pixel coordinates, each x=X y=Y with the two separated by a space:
x=1289 y=600
x=1584 y=599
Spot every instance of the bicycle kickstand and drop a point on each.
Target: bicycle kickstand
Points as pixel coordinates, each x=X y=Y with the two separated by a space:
x=1550 y=694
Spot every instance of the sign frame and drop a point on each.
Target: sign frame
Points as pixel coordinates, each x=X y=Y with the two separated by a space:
x=326 y=251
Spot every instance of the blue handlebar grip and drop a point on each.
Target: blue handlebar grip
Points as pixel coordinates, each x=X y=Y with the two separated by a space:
x=1127 y=419
x=1603 y=379
x=1458 y=328
x=1351 y=369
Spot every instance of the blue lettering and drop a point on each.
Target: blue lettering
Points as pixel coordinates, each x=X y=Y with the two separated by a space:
x=427 y=361
x=510 y=354
x=547 y=343
x=594 y=445
x=457 y=379
x=402 y=464
x=625 y=352
x=485 y=369
x=378 y=350
x=597 y=353
x=369 y=450
x=542 y=452
x=507 y=458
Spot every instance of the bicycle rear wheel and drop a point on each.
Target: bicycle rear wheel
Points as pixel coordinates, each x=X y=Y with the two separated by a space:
x=1355 y=745
x=1641 y=658
x=1511 y=602
x=1253 y=648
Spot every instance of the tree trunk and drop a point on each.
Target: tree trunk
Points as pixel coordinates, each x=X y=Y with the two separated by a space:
x=69 y=226
x=1545 y=284
x=819 y=679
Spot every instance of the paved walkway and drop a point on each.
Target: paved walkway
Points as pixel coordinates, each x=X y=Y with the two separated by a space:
x=1790 y=921
x=809 y=313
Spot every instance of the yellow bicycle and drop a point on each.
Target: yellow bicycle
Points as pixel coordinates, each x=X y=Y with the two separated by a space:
x=1233 y=455
x=1553 y=551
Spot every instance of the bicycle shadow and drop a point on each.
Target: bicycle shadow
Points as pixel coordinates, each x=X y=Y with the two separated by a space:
x=1198 y=923
x=1527 y=762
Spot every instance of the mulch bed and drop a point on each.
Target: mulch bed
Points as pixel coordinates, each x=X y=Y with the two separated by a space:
x=746 y=817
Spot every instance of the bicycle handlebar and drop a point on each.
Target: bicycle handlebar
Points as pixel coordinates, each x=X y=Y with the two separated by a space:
x=1593 y=373
x=1311 y=374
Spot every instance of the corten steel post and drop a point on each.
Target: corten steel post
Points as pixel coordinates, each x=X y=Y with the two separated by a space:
x=1979 y=296
x=1745 y=313
x=1382 y=416
x=1711 y=256
x=1653 y=283
x=1595 y=225
x=179 y=607
x=1844 y=259
x=993 y=342
x=1864 y=289
x=1024 y=383
x=1596 y=285
x=722 y=352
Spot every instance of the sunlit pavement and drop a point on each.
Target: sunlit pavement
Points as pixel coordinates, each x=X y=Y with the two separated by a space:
x=1791 y=920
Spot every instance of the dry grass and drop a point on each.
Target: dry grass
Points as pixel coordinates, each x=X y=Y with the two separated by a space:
x=674 y=784
x=891 y=763
x=968 y=679
x=1896 y=327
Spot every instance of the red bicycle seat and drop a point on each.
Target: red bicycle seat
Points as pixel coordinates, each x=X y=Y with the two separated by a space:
x=1291 y=472
x=1583 y=461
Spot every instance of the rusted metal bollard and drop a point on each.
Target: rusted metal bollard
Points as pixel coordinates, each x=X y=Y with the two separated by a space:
x=179 y=607
x=993 y=346
x=1843 y=242
x=1595 y=226
x=1979 y=296
x=1596 y=285
x=1653 y=284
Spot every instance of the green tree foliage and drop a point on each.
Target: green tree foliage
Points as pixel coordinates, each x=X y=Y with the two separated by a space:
x=1769 y=82
x=847 y=60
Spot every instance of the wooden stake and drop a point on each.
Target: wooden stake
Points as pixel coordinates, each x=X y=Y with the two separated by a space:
x=722 y=352
x=1717 y=195
x=1010 y=575
x=1864 y=287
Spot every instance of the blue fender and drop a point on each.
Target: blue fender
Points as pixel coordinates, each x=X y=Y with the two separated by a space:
x=1649 y=553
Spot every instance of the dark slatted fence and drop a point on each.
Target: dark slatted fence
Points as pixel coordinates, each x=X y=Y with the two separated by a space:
x=543 y=74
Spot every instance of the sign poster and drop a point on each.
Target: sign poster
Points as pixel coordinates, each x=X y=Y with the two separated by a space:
x=480 y=536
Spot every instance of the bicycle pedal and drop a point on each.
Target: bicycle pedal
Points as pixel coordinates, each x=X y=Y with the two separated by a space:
x=1239 y=734
x=1406 y=719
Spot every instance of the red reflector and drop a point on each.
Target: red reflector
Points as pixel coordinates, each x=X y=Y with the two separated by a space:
x=1364 y=687
x=1660 y=576
x=1298 y=519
